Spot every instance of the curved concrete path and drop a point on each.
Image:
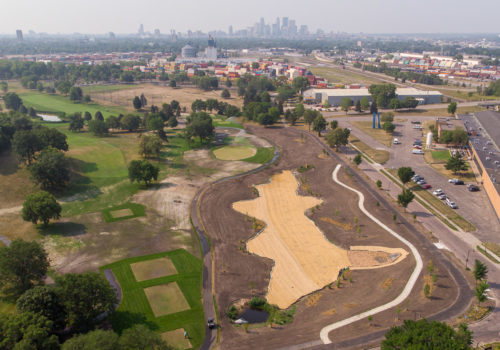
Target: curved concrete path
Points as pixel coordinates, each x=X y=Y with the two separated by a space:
x=409 y=285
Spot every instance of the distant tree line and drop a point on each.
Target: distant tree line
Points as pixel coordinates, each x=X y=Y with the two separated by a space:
x=397 y=73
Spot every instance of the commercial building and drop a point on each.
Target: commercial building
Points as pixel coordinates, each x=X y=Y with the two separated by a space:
x=484 y=130
x=335 y=96
x=188 y=52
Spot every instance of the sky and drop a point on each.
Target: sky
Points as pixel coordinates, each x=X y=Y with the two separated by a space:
x=352 y=16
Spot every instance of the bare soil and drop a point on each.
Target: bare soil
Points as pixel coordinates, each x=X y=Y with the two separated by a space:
x=240 y=275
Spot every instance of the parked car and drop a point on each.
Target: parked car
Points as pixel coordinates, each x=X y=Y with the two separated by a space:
x=421 y=182
x=459 y=182
x=437 y=192
x=417 y=178
x=442 y=196
x=417 y=146
x=472 y=188
x=396 y=142
x=417 y=151
x=451 y=204
x=211 y=323
x=452 y=181
x=426 y=186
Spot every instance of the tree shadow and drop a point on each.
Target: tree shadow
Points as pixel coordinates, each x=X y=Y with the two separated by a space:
x=9 y=163
x=123 y=320
x=80 y=166
x=64 y=229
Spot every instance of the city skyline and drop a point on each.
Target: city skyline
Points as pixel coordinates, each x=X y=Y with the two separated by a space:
x=390 y=16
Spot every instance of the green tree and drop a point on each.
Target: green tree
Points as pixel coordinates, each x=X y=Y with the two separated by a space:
x=480 y=271
x=405 y=197
x=63 y=87
x=25 y=144
x=405 y=174
x=225 y=93
x=75 y=93
x=274 y=113
x=228 y=83
x=337 y=138
x=365 y=103
x=12 y=101
x=98 y=116
x=154 y=122
x=51 y=137
x=87 y=116
x=334 y=124
x=394 y=103
x=140 y=337
x=51 y=170
x=480 y=292
x=150 y=146
x=32 y=112
x=144 y=101
x=22 y=265
x=309 y=116
x=94 y=340
x=112 y=122
x=41 y=206
x=319 y=124
x=456 y=163
x=300 y=84
x=28 y=331
x=345 y=104
x=44 y=301
x=22 y=109
x=382 y=93
x=136 y=102
x=452 y=107
x=389 y=127
x=172 y=83
x=130 y=122
x=265 y=119
x=291 y=117
x=410 y=102
x=299 y=110
x=200 y=125
x=357 y=159
x=373 y=107
x=142 y=170
x=98 y=127
x=75 y=122
x=387 y=117
x=422 y=334
x=172 y=122
x=379 y=184
x=85 y=296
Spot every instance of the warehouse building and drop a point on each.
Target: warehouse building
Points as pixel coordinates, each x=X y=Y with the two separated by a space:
x=335 y=96
x=484 y=141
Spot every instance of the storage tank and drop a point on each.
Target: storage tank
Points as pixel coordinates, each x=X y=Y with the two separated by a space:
x=428 y=144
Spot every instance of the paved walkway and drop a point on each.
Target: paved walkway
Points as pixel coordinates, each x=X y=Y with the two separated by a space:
x=409 y=285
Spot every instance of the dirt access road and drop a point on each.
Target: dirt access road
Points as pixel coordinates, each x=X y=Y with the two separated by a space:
x=239 y=275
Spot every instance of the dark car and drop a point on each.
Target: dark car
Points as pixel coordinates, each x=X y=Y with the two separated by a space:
x=211 y=323
x=472 y=188
x=459 y=182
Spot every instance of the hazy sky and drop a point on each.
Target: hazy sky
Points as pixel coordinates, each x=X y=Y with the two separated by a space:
x=369 y=16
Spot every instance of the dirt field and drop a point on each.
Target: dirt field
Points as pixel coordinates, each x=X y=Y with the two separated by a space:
x=304 y=260
x=240 y=275
x=158 y=95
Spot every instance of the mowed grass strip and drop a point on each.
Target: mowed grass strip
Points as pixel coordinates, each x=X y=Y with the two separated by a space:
x=176 y=339
x=150 y=269
x=440 y=156
x=379 y=156
x=124 y=212
x=135 y=307
x=263 y=155
x=234 y=152
x=58 y=103
x=378 y=134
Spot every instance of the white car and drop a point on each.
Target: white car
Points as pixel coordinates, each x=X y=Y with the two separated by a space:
x=396 y=142
x=442 y=196
x=451 y=204
x=417 y=151
x=437 y=192
x=452 y=181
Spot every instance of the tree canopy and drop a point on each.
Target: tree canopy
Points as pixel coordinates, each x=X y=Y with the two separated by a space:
x=22 y=265
x=422 y=334
x=41 y=206
x=142 y=170
x=405 y=174
x=338 y=137
x=51 y=170
x=382 y=93
x=199 y=124
x=44 y=301
x=456 y=163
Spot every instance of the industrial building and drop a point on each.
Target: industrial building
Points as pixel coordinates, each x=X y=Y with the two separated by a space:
x=335 y=96
x=484 y=140
x=188 y=52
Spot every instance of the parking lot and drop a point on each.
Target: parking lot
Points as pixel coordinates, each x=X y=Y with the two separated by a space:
x=473 y=206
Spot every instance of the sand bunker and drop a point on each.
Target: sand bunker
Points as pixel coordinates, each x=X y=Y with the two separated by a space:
x=305 y=260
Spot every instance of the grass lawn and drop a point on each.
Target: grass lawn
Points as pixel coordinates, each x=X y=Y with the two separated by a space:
x=441 y=156
x=437 y=160
x=379 y=156
x=494 y=247
x=57 y=103
x=222 y=122
x=15 y=181
x=263 y=155
x=378 y=134
x=438 y=112
x=135 y=307
x=166 y=299
x=176 y=339
x=339 y=75
x=150 y=269
x=124 y=212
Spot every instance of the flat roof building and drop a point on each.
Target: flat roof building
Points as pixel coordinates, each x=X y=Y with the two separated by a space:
x=484 y=130
x=335 y=96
